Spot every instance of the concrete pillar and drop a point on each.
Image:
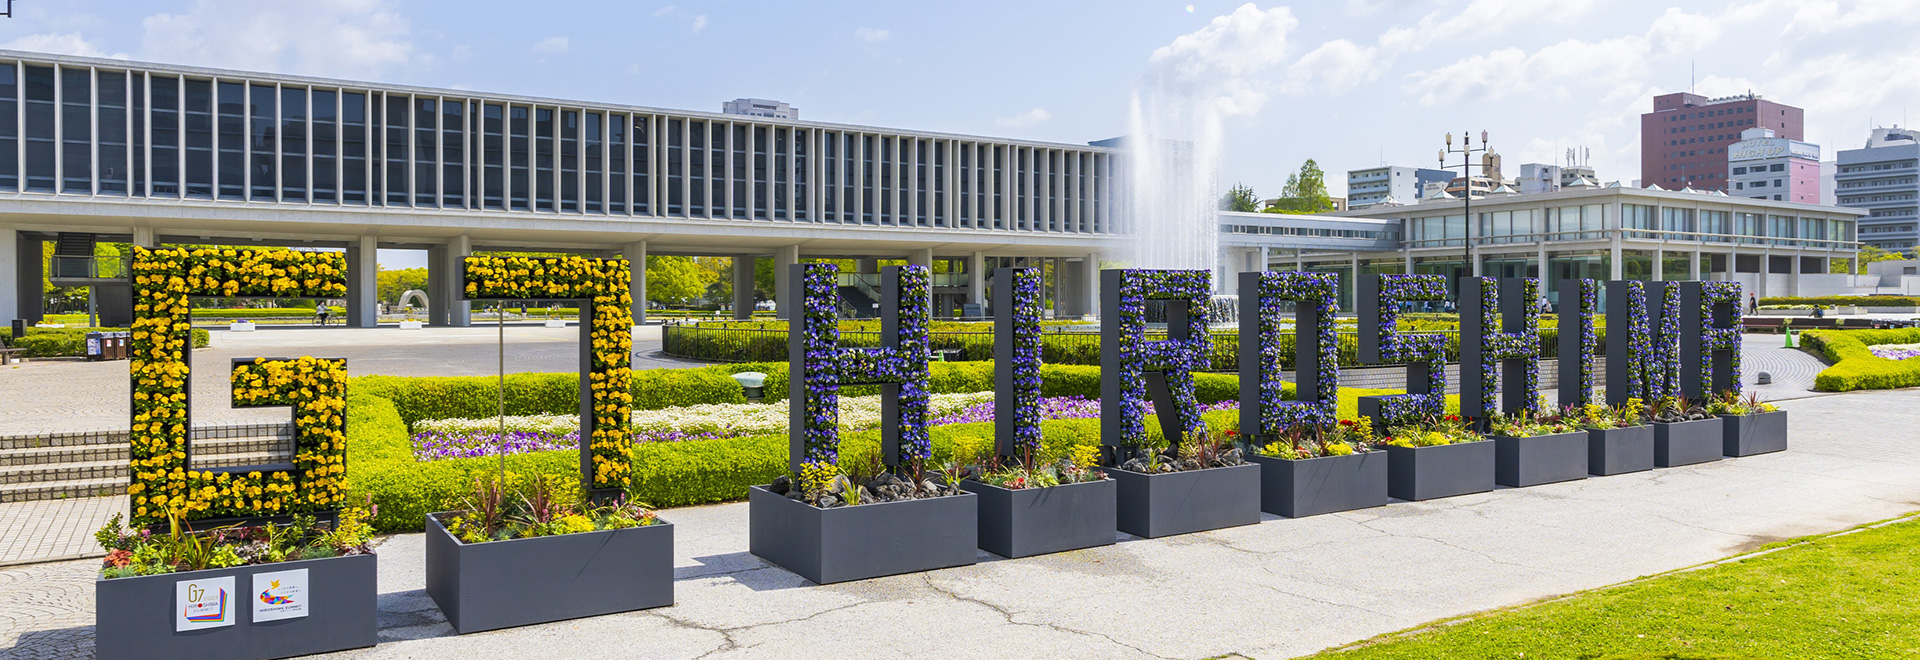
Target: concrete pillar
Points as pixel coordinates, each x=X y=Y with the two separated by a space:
x=921 y=258
x=783 y=260
x=977 y=279
x=29 y=300
x=1614 y=261
x=143 y=237
x=1698 y=267
x=742 y=287
x=1659 y=264
x=447 y=299
x=363 y=283
x=869 y=265
x=1089 y=289
x=10 y=264
x=636 y=255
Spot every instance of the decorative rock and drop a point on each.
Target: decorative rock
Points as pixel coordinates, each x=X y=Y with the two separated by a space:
x=781 y=485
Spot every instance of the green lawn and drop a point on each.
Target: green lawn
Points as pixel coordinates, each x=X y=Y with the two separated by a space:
x=1851 y=595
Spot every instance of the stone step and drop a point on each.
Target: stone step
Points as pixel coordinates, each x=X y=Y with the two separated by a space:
x=54 y=490
x=85 y=453
x=117 y=469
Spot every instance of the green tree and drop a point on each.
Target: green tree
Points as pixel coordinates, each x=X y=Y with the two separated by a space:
x=1305 y=192
x=675 y=280
x=1868 y=254
x=1241 y=198
x=392 y=283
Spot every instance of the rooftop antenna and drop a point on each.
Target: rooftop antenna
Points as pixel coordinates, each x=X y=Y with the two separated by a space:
x=1690 y=76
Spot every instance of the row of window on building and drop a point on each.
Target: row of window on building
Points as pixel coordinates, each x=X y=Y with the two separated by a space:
x=77 y=130
x=1589 y=221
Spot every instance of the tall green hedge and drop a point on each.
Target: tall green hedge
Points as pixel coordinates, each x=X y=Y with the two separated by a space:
x=67 y=342
x=1855 y=367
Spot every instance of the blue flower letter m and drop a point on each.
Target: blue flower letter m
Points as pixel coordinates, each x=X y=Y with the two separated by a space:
x=819 y=366
x=1131 y=366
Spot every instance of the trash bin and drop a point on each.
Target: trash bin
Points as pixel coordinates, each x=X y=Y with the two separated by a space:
x=96 y=346
x=949 y=354
x=122 y=345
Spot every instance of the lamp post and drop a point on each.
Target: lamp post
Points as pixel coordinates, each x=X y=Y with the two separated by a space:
x=1466 y=151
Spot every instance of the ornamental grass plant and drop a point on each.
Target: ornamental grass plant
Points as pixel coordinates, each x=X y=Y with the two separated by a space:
x=1673 y=409
x=549 y=505
x=132 y=553
x=1730 y=402
x=1346 y=437
x=1602 y=417
x=1527 y=424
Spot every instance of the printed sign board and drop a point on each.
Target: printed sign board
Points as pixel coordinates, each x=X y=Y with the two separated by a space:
x=279 y=595
x=203 y=604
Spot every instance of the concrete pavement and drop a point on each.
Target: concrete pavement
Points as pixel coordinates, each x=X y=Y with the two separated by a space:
x=1278 y=589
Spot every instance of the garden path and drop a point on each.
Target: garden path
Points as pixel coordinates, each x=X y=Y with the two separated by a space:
x=1282 y=588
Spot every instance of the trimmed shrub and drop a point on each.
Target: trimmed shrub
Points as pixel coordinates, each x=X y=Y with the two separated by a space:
x=441 y=397
x=1850 y=301
x=1855 y=367
x=68 y=342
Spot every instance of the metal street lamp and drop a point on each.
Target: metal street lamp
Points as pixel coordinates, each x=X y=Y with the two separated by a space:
x=1466 y=151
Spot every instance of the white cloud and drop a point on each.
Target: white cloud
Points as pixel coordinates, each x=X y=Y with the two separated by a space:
x=1225 y=66
x=699 y=22
x=71 y=43
x=664 y=11
x=871 y=35
x=1608 y=64
x=1027 y=119
x=551 y=45
x=1481 y=19
x=1338 y=65
x=347 y=38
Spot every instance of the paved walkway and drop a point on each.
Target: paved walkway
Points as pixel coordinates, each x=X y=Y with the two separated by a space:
x=1279 y=589
x=51 y=530
x=48 y=396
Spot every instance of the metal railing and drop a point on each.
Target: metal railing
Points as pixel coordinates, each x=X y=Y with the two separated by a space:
x=98 y=267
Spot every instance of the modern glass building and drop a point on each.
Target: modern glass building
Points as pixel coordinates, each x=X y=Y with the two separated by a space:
x=1772 y=248
x=159 y=154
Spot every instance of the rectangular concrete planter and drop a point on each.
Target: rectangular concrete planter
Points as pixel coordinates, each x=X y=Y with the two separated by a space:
x=1038 y=521
x=1756 y=433
x=1619 y=451
x=518 y=582
x=134 y=617
x=1155 y=505
x=1313 y=486
x=864 y=541
x=1540 y=459
x=1689 y=442
x=1425 y=473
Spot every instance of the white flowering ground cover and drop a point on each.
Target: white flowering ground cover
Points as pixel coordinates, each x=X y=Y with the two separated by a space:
x=1896 y=351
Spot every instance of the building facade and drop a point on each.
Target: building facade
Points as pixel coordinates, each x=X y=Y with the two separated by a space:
x=1390 y=183
x=760 y=108
x=1764 y=166
x=1540 y=177
x=1881 y=179
x=111 y=150
x=1684 y=141
x=1771 y=248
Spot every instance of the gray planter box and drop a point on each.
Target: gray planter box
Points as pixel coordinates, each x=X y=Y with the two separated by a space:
x=1619 y=451
x=1038 y=521
x=1758 y=433
x=1155 y=505
x=518 y=582
x=134 y=617
x=1425 y=473
x=864 y=541
x=1540 y=459
x=1689 y=442
x=1313 y=486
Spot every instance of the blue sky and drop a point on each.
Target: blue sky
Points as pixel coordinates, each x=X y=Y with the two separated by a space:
x=1348 y=83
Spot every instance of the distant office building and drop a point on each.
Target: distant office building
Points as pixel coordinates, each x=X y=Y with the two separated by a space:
x=1684 y=141
x=1541 y=178
x=1880 y=179
x=1378 y=185
x=1764 y=166
x=760 y=108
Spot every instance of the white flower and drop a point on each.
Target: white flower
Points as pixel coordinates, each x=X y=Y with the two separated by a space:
x=723 y=419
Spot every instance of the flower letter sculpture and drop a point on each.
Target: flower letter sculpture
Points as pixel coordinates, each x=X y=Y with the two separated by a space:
x=1643 y=340
x=819 y=366
x=606 y=395
x=1381 y=343
x=1316 y=347
x=163 y=480
x=1487 y=341
x=1016 y=361
x=1130 y=365
x=1710 y=343
x=1579 y=301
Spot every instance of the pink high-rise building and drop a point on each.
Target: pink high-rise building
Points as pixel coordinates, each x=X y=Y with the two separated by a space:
x=1684 y=141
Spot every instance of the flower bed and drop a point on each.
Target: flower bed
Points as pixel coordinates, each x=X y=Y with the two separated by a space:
x=1896 y=351
x=1855 y=364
